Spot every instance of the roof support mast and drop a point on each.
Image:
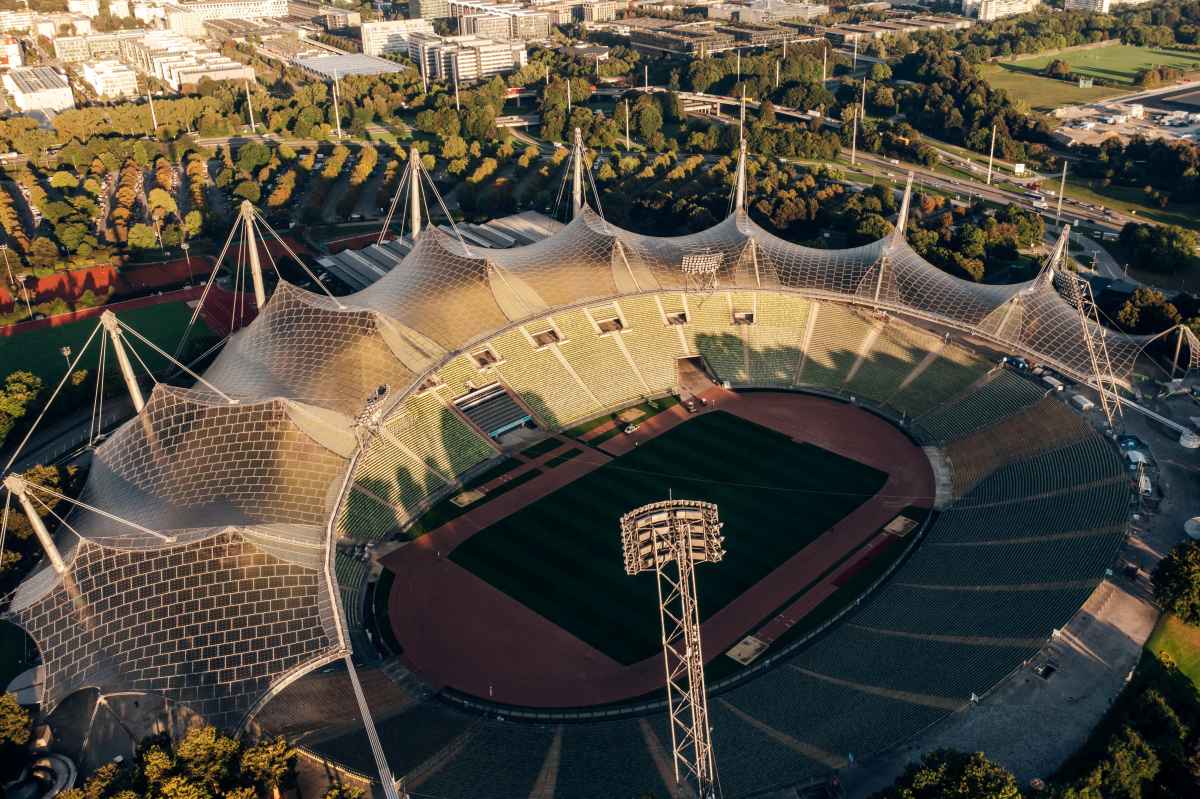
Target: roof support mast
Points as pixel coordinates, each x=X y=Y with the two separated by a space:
x=256 y=275
x=109 y=320
x=739 y=196
x=17 y=486
x=577 y=175
x=414 y=188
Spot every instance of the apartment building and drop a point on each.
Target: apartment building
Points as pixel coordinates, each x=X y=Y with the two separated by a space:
x=97 y=47
x=428 y=9
x=10 y=53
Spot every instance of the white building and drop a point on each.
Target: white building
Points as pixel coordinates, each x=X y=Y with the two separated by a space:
x=988 y=10
x=111 y=79
x=118 y=8
x=149 y=12
x=180 y=61
x=188 y=18
x=10 y=53
x=50 y=25
x=88 y=8
x=765 y=11
x=39 y=89
x=16 y=20
x=391 y=36
x=522 y=23
x=467 y=58
x=1098 y=6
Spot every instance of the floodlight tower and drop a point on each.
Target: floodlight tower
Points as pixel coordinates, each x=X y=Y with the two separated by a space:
x=670 y=538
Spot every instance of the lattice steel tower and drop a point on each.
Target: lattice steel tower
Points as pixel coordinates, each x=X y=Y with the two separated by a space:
x=671 y=538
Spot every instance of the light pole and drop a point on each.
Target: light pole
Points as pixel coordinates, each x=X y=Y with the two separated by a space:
x=66 y=353
x=185 y=247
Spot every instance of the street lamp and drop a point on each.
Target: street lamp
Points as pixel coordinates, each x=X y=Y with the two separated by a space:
x=66 y=353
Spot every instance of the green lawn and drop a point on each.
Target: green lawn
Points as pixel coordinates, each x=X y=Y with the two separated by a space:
x=1181 y=642
x=1039 y=93
x=39 y=351
x=1119 y=64
x=561 y=556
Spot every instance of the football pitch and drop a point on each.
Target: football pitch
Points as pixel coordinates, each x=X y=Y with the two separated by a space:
x=561 y=556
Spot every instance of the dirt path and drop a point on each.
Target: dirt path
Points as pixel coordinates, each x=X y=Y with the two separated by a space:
x=459 y=631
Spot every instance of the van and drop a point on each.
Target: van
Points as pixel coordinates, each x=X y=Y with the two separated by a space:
x=1082 y=403
x=1053 y=383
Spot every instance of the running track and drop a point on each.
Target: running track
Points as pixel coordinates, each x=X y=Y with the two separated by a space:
x=458 y=631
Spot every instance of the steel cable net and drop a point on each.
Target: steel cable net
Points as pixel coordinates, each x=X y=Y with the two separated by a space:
x=305 y=347
x=437 y=291
x=189 y=465
x=214 y=624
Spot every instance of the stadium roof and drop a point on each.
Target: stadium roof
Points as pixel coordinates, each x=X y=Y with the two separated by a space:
x=200 y=564
x=339 y=66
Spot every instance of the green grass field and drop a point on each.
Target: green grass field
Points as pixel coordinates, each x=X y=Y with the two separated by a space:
x=1181 y=642
x=561 y=556
x=39 y=351
x=1039 y=93
x=1118 y=64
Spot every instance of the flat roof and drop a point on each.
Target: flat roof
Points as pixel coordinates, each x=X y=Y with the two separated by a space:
x=37 y=79
x=351 y=64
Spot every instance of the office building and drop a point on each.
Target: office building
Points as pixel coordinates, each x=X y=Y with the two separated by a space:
x=97 y=47
x=391 y=36
x=428 y=9
x=765 y=11
x=988 y=10
x=188 y=18
x=39 y=89
x=465 y=58
x=520 y=23
x=16 y=20
x=180 y=61
x=687 y=39
x=110 y=79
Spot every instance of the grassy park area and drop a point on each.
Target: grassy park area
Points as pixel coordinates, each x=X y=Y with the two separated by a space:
x=561 y=556
x=40 y=351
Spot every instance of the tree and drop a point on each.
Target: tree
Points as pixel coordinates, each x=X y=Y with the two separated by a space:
x=193 y=221
x=649 y=120
x=1177 y=582
x=1148 y=311
x=142 y=237
x=1058 y=69
x=20 y=390
x=252 y=155
x=880 y=72
x=207 y=757
x=269 y=763
x=43 y=254
x=248 y=191
x=15 y=725
x=454 y=147
x=946 y=774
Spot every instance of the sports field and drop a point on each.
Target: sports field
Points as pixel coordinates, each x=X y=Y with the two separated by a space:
x=39 y=351
x=1118 y=64
x=561 y=556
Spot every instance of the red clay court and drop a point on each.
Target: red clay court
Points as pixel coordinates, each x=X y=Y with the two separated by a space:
x=461 y=631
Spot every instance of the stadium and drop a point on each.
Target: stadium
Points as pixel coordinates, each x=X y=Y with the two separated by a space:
x=907 y=518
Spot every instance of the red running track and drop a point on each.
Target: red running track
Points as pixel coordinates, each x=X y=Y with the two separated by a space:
x=458 y=631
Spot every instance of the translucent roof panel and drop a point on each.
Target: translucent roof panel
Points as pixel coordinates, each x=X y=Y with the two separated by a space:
x=213 y=624
x=304 y=347
x=189 y=463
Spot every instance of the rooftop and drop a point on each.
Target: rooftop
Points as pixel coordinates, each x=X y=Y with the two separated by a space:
x=352 y=64
x=37 y=79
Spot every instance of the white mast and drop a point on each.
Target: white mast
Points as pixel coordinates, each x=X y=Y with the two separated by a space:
x=577 y=176
x=17 y=486
x=991 y=155
x=249 y=106
x=337 y=114
x=113 y=329
x=414 y=199
x=256 y=275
